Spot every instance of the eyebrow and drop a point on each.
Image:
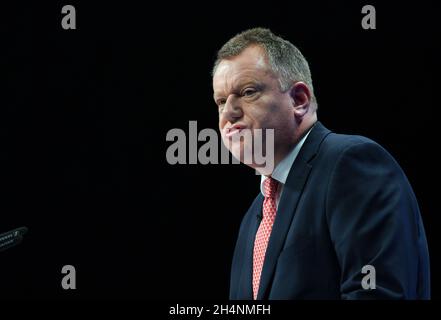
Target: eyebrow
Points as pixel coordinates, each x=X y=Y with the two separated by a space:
x=241 y=84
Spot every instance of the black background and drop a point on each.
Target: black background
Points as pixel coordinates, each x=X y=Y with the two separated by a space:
x=85 y=113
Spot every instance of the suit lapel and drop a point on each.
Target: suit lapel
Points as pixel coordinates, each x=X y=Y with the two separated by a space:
x=292 y=191
x=246 y=278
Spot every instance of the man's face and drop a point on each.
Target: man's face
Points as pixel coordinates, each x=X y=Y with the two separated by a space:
x=248 y=96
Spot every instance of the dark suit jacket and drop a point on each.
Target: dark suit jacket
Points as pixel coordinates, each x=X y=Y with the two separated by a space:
x=346 y=204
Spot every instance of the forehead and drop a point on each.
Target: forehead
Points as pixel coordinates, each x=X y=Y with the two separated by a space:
x=250 y=65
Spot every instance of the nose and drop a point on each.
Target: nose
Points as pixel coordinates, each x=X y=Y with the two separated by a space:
x=232 y=110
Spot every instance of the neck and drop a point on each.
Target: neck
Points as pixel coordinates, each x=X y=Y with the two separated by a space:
x=286 y=148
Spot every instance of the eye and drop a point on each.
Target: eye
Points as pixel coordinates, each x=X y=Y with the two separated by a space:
x=248 y=92
x=220 y=102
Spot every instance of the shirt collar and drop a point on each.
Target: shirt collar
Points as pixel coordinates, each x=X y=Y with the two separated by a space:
x=281 y=171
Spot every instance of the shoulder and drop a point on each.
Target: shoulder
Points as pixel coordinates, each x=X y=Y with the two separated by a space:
x=340 y=147
x=339 y=143
x=359 y=162
x=351 y=156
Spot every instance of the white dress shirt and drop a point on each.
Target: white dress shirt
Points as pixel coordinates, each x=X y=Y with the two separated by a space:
x=281 y=171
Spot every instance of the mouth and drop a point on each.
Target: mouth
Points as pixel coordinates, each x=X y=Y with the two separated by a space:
x=233 y=130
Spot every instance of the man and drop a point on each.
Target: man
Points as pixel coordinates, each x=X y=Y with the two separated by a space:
x=337 y=217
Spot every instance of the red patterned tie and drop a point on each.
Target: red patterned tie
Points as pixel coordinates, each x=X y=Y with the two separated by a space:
x=264 y=231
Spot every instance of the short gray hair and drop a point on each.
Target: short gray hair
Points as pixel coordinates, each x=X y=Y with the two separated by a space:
x=284 y=58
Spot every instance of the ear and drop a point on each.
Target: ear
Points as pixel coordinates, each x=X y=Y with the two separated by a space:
x=301 y=98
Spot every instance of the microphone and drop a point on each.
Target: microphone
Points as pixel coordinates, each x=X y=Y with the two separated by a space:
x=12 y=238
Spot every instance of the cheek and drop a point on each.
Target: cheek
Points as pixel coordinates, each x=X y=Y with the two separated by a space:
x=263 y=116
x=281 y=112
x=256 y=114
x=222 y=123
x=265 y=111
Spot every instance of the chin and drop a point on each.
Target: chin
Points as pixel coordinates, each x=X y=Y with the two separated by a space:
x=237 y=151
x=243 y=152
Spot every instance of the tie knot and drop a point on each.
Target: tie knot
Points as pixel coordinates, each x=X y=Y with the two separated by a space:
x=270 y=187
